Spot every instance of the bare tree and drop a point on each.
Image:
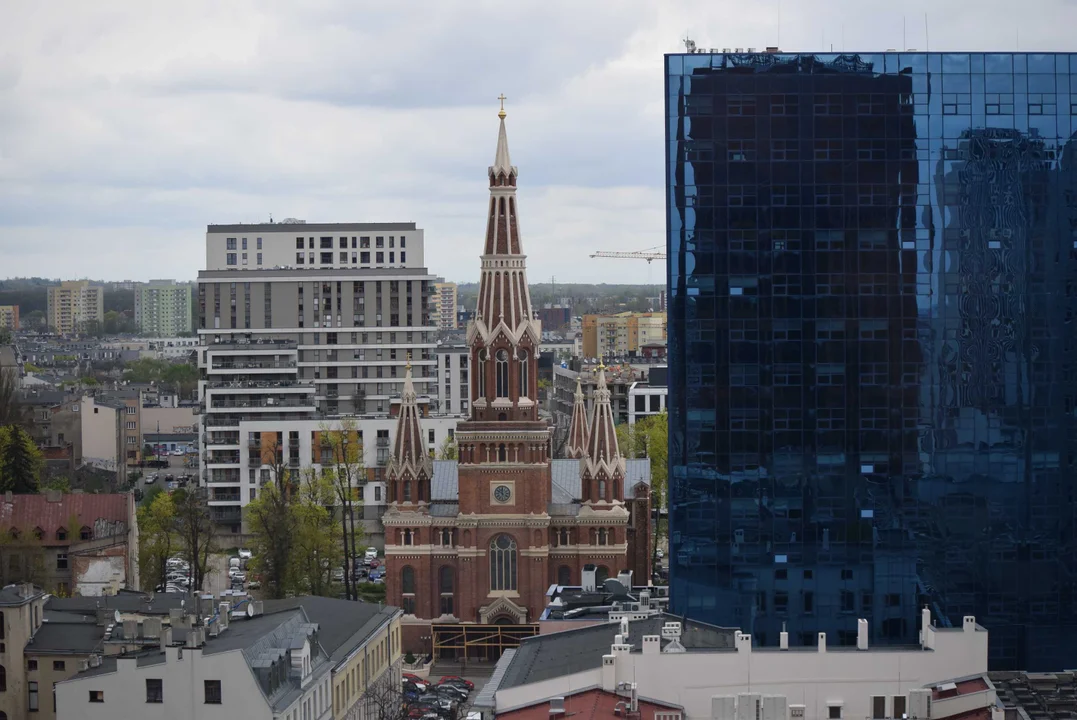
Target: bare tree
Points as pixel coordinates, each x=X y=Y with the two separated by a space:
x=194 y=527
x=385 y=699
x=12 y=412
x=342 y=455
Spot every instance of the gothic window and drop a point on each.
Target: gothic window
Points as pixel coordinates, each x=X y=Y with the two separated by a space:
x=501 y=456
x=563 y=539
x=602 y=536
x=407 y=491
x=502 y=366
x=502 y=563
x=407 y=580
x=601 y=489
x=445 y=583
x=446 y=537
x=407 y=537
x=564 y=575
x=523 y=374
x=482 y=372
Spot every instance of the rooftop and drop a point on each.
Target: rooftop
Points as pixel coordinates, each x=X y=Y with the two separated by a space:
x=589 y=703
x=305 y=227
x=71 y=512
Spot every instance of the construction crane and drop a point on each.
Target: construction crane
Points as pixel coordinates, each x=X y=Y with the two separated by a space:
x=649 y=254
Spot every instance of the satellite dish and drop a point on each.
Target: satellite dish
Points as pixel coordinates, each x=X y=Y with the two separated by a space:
x=250 y=610
x=117 y=616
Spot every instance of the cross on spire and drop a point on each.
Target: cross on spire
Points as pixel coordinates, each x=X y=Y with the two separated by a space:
x=502 y=98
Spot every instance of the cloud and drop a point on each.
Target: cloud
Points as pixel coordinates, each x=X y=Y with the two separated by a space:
x=124 y=131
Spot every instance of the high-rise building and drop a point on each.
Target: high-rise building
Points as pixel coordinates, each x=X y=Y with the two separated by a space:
x=444 y=303
x=163 y=308
x=621 y=334
x=872 y=386
x=73 y=305
x=9 y=317
x=326 y=336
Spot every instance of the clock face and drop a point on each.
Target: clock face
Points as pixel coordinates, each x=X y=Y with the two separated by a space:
x=502 y=493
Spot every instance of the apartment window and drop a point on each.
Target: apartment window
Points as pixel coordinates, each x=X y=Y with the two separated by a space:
x=364 y=242
x=379 y=242
x=154 y=690
x=32 y=699
x=131 y=410
x=299 y=258
x=326 y=243
x=61 y=561
x=130 y=424
x=58 y=665
x=31 y=665
x=834 y=712
x=213 y=692
x=402 y=258
x=95 y=695
x=402 y=239
x=230 y=243
x=380 y=257
x=344 y=257
x=327 y=258
x=299 y=243
x=259 y=258
x=230 y=259
x=259 y=246
x=364 y=258
x=392 y=257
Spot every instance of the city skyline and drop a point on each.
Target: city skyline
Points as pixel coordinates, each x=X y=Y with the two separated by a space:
x=113 y=167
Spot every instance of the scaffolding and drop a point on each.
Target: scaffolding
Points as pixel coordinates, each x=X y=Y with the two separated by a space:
x=463 y=642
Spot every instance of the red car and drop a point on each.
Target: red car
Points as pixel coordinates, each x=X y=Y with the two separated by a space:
x=456 y=680
x=413 y=678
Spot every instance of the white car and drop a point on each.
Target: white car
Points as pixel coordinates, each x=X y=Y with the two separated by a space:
x=236 y=573
x=245 y=554
x=177 y=451
x=150 y=480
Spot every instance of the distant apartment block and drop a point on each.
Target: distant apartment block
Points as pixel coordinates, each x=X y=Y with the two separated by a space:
x=9 y=317
x=73 y=305
x=621 y=334
x=452 y=379
x=163 y=308
x=444 y=305
x=555 y=317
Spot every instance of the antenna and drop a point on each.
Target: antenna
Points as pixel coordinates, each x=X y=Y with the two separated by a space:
x=927 y=37
x=904 y=44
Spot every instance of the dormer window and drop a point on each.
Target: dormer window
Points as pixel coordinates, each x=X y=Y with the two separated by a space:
x=39 y=533
x=61 y=535
x=85 y=533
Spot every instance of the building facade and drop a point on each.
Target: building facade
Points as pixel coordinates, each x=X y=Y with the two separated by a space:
x=73 y=305
x=9 y=317
x=871 y=392
x=621 y=335
x=452 y=378
x=163 y=308
x=489 y=553
x=444 y=301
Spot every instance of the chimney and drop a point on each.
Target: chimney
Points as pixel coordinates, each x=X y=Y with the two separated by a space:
x=652 y=644
x=166 y=637
x=822 y=642
x=588 y=577
x=927 y=641
x=743 y=642
x=130 y=629
x=861 y=634
x=969 y=624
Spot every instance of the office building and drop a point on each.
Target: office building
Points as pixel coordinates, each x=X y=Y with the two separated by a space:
x=73 y=305
x=163 y=308
x=444 y=305
x=621 y=335
x=9 y=317
x=871 y=379
x=452 y=379
x=648 y=397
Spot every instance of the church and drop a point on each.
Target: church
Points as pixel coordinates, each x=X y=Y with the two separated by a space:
x=481 y=540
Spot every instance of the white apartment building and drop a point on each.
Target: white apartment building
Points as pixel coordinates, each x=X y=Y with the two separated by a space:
x=298 y=244
x=680 y=665
x=452 y=379
x=163 y=307
x=445 y=305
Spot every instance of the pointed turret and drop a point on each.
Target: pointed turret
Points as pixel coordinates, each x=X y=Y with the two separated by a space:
x=410 y=467
x=603 y=465
x=578 y=427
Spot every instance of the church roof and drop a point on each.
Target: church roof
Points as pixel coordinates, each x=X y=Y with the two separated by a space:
x=565 y=475
x=502 y=161
x=409 y=449
x=602 y=450
x=578 y=426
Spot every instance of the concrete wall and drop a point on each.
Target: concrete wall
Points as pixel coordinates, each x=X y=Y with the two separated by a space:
x=183 y=690
x=169 y=419
x=100 y=434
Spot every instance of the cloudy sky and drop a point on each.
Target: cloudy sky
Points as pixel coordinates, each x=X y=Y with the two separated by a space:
x=126 y=127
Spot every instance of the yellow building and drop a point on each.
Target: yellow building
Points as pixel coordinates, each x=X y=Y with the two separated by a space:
x=73 y=305
x=367 y=679
x=9 y=317
x=621 y=334
x=444 y=305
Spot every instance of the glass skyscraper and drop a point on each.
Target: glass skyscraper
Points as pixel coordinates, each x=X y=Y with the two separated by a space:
x=872 y=298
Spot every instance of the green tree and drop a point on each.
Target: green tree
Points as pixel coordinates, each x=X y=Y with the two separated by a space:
x=273 y=526
x=194 y=531
x=317 y=547
x=448 y=449
x=157 y=538
x=58 y=482
x=12 y=412
x=5 y=336
x=344 y=447
x=21 y=462
x=649 y=438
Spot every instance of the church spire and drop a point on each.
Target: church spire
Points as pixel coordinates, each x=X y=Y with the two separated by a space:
x=410 y=468
x=576 y=446
x=603 y=465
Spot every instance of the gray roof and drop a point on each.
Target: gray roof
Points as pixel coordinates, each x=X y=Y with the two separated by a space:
x=548 y=656
x=485 y=700
x=108 y=664
x=304 y=228
x=445 y=509
x=66 y=638
x=12 y=596
x=124 y=601
x=444 y=486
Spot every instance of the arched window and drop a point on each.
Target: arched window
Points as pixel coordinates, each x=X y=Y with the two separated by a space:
x=564 y=575
x=445 y=588
x=563 y=540
x=407 y=537
x=446 y=537
x=602 y=536
x=601 y=489
x=502 y=563
x=407 y=491
x=502 y=365
x=523 y=373
x=482 y=371
x=501 y=456
x=407 y=580
x=602 y=573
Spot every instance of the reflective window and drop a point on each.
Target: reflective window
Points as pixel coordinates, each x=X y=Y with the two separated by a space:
x=872 y=291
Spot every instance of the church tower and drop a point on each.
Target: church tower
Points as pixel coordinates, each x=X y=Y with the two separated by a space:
x=410 y=467
x=603 y=466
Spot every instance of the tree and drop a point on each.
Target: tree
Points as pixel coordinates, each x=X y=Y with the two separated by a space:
x=194 y=531
x=57 y=482
x=21 y=462
x=156 y=530
x=649 y=438
x=448 y=450
x=345 y=449
x=273 y=526
x=12 y=411
x=5 y=336
x=317 y=546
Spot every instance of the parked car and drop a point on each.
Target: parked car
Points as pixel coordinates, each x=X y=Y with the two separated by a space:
x=245 y=554
x=371 y=554
x=178 y=452
x=458 y=680
x=375 y=563
x=456 y=694
x=150 y=479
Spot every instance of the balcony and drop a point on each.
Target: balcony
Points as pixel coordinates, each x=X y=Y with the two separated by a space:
x=218 y=457
x=226 y=514
x=287 y=383
x=383 y=442
x=265 y=344
x=247 y=365
x=224 y=498
x=256 y=403
x=223 y=476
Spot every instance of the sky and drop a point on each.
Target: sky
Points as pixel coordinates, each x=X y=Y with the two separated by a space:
x=126 y=127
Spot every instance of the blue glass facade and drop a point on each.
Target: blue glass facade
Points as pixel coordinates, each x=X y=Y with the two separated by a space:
x=872 y=289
